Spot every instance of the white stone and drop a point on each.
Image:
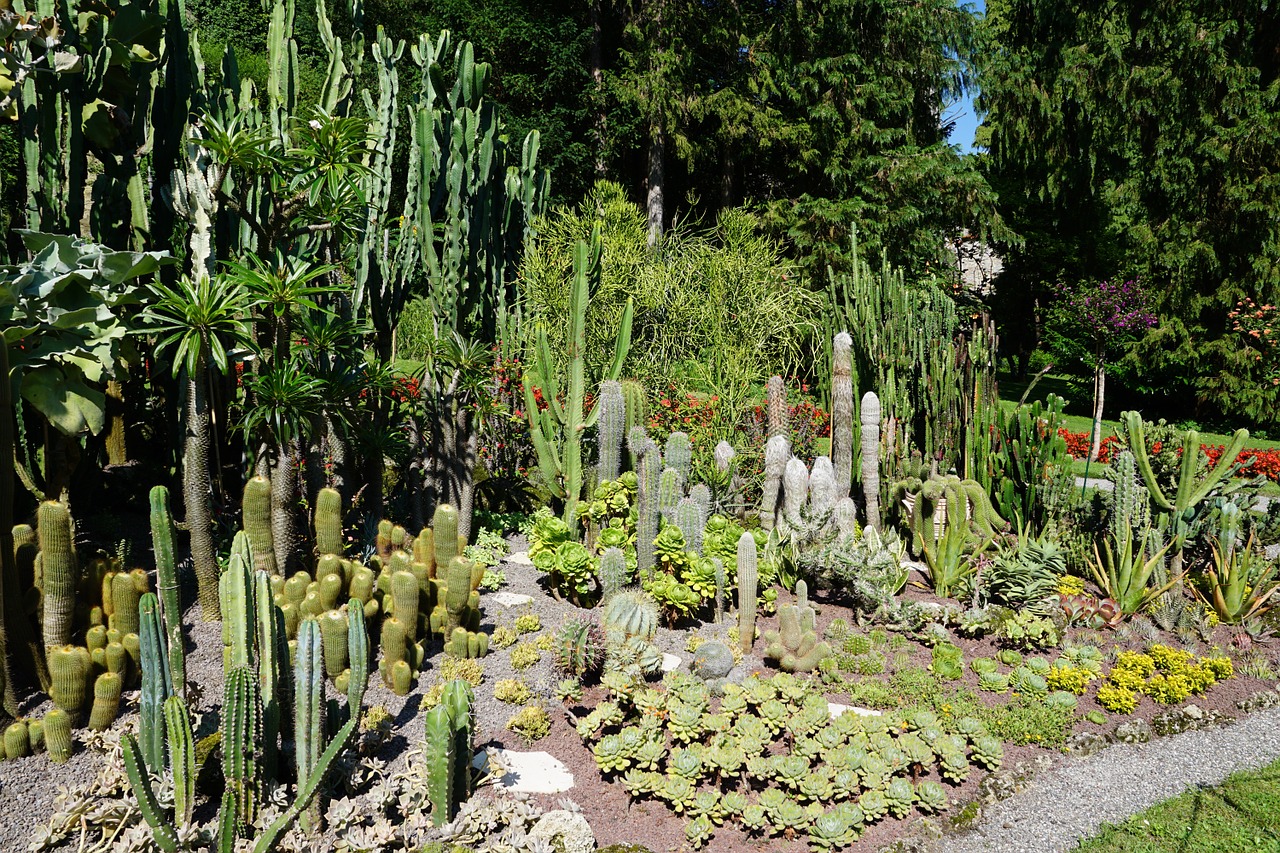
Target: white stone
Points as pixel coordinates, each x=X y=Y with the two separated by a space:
x=527 y=772
x=835 y=709
x=670 y=662
x=565 y=830
x=520 y=558
x=510 y=599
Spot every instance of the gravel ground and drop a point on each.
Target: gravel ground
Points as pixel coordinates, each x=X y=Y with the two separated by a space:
x=1073 y=800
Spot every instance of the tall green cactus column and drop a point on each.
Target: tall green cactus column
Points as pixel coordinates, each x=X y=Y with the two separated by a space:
x=748 y=580
x=61 y=572
x=157 y=685
x=309 y=708
x=449 y=729
x=556 y=431
x=167 y=582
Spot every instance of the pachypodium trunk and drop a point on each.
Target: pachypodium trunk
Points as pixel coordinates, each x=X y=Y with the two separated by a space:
x=196 y=488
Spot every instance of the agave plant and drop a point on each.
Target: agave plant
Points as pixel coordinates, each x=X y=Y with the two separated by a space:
x=1124 y=572
x=1240 y=583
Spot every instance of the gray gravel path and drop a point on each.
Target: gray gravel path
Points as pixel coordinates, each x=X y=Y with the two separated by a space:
x=1074 y=799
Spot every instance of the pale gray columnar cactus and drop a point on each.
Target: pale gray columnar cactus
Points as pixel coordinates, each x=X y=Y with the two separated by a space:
x=795 y=492
x=842 y=412
x=777 y=450
x=194 y=201
x=871 y=457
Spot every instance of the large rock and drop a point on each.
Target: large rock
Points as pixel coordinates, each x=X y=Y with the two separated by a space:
x=528 y=772
x=565 y=831
x=1133 y=731
x=712 y=660
x=509 y=599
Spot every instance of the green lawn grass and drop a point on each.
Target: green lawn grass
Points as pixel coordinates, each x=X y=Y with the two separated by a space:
x=1241 y=814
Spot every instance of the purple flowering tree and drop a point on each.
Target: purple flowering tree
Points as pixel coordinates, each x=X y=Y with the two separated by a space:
x=1106 y=315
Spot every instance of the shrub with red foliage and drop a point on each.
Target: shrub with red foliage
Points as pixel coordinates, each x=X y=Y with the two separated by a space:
x=1078 y=445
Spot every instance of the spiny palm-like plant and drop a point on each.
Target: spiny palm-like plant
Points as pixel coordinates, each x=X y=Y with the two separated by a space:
x=284 y=401
x=202 y=324
x=284 y=288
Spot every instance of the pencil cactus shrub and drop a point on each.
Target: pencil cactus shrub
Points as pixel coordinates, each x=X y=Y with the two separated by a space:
x=869 y=420
x=795 y=645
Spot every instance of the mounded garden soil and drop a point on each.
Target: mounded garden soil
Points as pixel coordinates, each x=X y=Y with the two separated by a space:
x=29 y=785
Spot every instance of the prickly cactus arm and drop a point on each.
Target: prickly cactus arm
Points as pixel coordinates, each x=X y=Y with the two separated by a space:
x=612 y=420
x=255 y=518
x=842 y=412
x=156 y=684
x=238 y=610
x=309 y=707
x=748 y=577
x=167 y=582
x=777 y=451
x=358 y=653
x=328 y=522
x=273 y=658
x=162 y=831
x=871 y=457
x=182 y=758
x=196 y=489
x=458 y=698
x=241 y=735
x=61 y=572
x=439 y=756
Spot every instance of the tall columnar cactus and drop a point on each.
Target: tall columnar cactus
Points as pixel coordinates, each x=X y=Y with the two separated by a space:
x=58 y=741
x=444 y=531
x=462 y=613
x=255 y=518
x=157 y=684
x=238 y=611
x=182 y=758
x=556 y=431
x=670 y=492
x=679 y=455
x=272 y=648
x=167 y=584
x=613 y=421
x=69 y=669
x=60 y=571
x=823 y=488
x=241 y=736
x=776 y=399
x=358 y=657
x=328 y=522
x=613 y=571
x=106 y=700
x=634 y=408
x=1178 y=510
x=124 y=604
x=795 y=645
x=648 y=513
x=309 y=709
x=333 y=635
x=842 y=412
x=870 y=419
x=1131 y=502
x=777 y=450
x=748 y=578
x=720 y=582
x=448 y=752
x=688 y=517
x=795 y=492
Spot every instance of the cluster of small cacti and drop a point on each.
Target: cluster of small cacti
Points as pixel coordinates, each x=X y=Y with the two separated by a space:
x=51 y=733
x=834 y=776
x=795 y=645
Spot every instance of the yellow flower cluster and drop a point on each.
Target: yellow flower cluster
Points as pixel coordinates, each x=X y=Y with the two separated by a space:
x=1070 y=585
x=1072 y=679
x=1165 y=674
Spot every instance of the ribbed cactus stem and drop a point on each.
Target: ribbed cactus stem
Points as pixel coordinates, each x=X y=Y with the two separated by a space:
x=748 y=578
x=157 y=684
x=17 y=739
x=106 y=701
x=634 y=407
x=612 y=422
x=444 y=529
x=720 y=582
x=688 y=517
x=613 y=571
x=777 y=450
x=795 y=491
x=458 y=594
x=241 y=736
x=237 y=606
x=457 y=699
x=679 y=455
x=162 y=831
x=60 y=571
x=333 y=633
x=167 y=584
x=124 y=598
x=309 y=708
x=870 y=419
x=58 y=741
x=182 y=759
x=328 y=522
x=776 y=396
x=438 y=753
x=358 y=656
x=647 y=510
x=670 y=491
x=842 y=412
x=273 y=661
x=255 y=513
x=69 y=668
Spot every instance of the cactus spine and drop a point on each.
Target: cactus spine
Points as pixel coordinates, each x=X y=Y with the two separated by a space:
x=748 y=578
x=328 y=522
x=17 y=740
x=182 y=758
x=69 y=668
x=613 y=419
x=556 y=431
x=156 y=684
x=444 y=530
x=776 y=399
x=255 y=518
x=162 y=831
x=842 y=412
x=309 y=709
x=688 y=517
x=236 y=588
x=670 y=491
x=167 y=583
x=870 y=419
x=679 y=455
x=272 y=662
x=60 y=572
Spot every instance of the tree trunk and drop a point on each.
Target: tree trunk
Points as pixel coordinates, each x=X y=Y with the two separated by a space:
x=597 y=83
x=117 y=450
x=657 y=178
x=195 y=481
x=1099 y=391
x=283 y=501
